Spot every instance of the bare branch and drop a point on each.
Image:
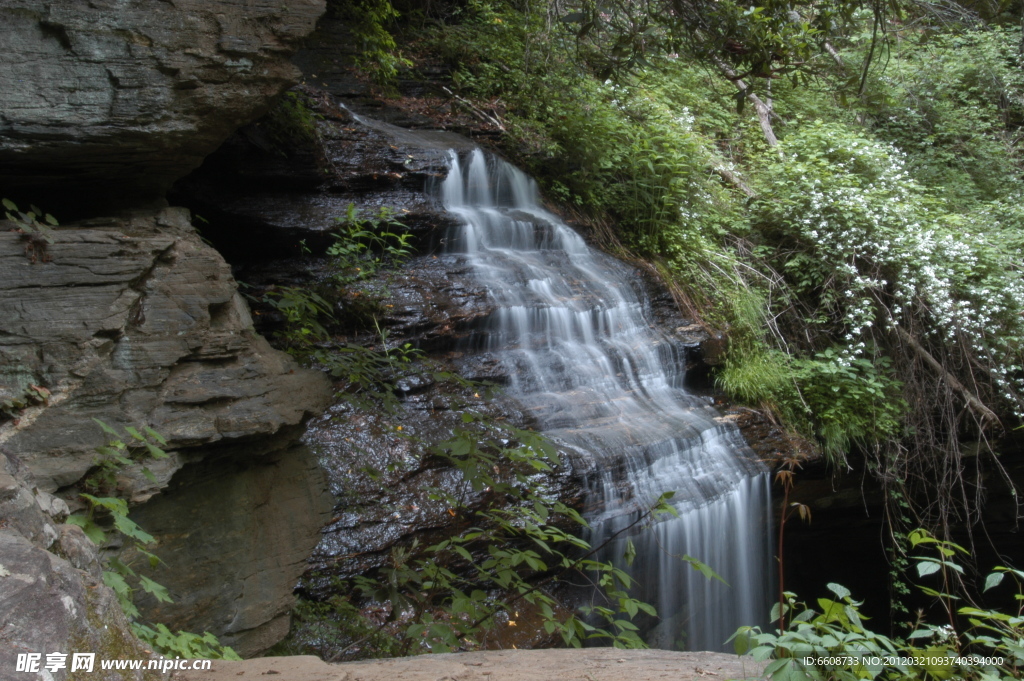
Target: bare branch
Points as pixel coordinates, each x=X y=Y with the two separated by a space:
x=977 y=406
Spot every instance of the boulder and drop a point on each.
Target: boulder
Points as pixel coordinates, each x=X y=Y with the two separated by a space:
x=52 y=594
x=234 y=533
x=108 y=102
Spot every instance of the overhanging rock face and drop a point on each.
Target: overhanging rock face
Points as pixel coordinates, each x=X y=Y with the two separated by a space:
x=110 y=101
x=136 y=321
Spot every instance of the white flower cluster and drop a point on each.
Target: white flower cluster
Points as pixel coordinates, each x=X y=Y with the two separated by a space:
x=895 y=252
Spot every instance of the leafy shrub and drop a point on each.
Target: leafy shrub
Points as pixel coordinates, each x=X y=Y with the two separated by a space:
x=370 y=21
x=868 y=250
x=834 y=643
x=364 y=244
x=952 y=103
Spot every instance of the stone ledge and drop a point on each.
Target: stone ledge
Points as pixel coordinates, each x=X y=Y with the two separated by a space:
x=587 y=664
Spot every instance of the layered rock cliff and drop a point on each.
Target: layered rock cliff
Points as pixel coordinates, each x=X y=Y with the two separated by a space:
x=136 y=320
x=130 y=318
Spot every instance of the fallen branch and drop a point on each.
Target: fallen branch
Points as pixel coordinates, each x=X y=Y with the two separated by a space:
x=763 y=111
x=976 y=405
x=476 y=111
x=835 y=55
x=735 y=180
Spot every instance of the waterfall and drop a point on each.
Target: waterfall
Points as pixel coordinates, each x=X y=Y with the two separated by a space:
x=588 y=365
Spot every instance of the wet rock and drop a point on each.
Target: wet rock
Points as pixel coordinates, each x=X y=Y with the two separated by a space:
x=435 y=304
x=384 y=481
x=288 y=200
x=113 y=101
x=234 y=532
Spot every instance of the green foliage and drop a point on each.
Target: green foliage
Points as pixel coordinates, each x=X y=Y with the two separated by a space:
x=953 y=102
x=303 y=311
x=122 y=450
x=866 y=249
x=291 y=123
x=835 y=634
x=363 y=244
x=363 y=247
x=183 y=644
x=35 y=227
x=363 y=368
x=369 y=21
x=107 y=520
x=833 y=642
x=29 y=223
x=841 y=402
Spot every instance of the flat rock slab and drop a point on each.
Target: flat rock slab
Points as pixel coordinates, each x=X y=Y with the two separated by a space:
x=588 y=664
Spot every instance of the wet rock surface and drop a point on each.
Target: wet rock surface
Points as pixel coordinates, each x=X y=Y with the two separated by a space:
x=384 y=481
x=113 y=101
x=284 y=200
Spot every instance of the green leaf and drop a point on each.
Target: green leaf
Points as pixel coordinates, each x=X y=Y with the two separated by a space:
x=93 y=531
x=129 y=528
x=839 y=590
x=155 y=435
x=159 y=591
x=630 y=555
x=741 y=640
x=155 y=451
x=107 y=429
x=993 y=580
x=116 y=582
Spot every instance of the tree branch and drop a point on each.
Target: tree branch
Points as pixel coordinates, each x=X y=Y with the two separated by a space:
x=763 y=111
x=477 y=111
x=976 y=405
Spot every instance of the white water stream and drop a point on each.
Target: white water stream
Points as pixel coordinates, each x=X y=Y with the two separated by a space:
x=588 y=365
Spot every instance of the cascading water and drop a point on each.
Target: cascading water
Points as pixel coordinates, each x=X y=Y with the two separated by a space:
x=598 y=377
